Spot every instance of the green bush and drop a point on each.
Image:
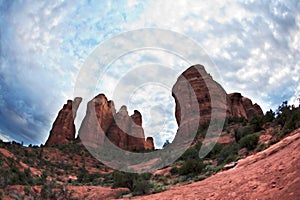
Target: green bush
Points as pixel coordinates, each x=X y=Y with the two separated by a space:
x=242 y=132
x=141 y=187
x=293 y=122
x=174 y=170
x=192 y=166
x=235 y=120
x=227 y=151
x=190 y=153
x=261 y=146
x=249 y=141
x=256 y=122
x=137 y=183
x=269 y=116
x=215 y=151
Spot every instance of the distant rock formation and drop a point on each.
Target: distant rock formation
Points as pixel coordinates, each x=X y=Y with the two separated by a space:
x=243 y=107
x=149 y=144
x=192 y=93
x=63 y=128
x=102 y=123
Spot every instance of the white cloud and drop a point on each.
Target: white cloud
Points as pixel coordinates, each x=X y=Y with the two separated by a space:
x=4 y=138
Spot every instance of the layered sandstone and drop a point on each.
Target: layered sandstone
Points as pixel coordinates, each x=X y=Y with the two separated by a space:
x=63 y=128
x=99 y=116
x=192 y=93
x=197 y=95
x=126 y=131
x=103 y=124
x=149 y=145
x=243 y=107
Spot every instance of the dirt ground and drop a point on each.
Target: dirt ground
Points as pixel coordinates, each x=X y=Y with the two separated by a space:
x=270 y=174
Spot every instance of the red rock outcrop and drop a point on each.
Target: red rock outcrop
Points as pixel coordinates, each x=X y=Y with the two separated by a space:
x=126 y=131
x=63 y=128
x=193 y=93
x=243 y=107
x=99 y=116
x=102 y=121
x=149 y=145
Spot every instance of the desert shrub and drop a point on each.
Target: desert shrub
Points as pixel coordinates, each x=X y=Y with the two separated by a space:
x=215 y=151
x=249 y=141
x=199 y=178
x=141 y=187
x=174 y=170
x=231 y=158
x=235 y=120
x=191 y=166
x=256 y=122
x=190 y=153
x=269 y=116
x=138 y=184
x=227 y=151
x=293 y=122
x=28 y=176
x=156 y=188
x=242 y=132
x=261 y=146
x=161 y=178
x=180 y=179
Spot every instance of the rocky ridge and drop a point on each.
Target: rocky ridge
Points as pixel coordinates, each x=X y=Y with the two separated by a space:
x=100 y=123
x=194 y=92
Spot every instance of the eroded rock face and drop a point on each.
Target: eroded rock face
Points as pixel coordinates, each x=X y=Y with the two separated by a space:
x=149 y=143
x=99 y=116
x=126 y=131
x=243 y=107
x=193 y=93
x=63 y=128
x=102 y=121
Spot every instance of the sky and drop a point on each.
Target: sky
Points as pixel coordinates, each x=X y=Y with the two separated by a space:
x=255 y=46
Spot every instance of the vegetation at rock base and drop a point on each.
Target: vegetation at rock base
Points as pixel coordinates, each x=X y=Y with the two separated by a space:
x=53 y=169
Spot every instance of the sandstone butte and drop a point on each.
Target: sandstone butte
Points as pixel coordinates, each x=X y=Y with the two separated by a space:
x=192 y=93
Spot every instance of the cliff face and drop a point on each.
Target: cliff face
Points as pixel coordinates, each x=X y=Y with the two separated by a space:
x=196 y=94
x=126 y=131
x=63 y=128
x=243 y=107
x=102 y=121
x=193 y=92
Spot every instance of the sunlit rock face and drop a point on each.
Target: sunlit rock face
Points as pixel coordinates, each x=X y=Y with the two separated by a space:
x=102 y=124
x=196 y=95
x=99 y=117
x=192 y=93
x=63 y=128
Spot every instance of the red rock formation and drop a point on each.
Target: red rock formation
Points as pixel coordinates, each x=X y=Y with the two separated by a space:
x=136 y=137
x=119 y=128
x=193 y=94
x=243 y=107
x=149 y=145
x=99 y=116
x=63 y=128
x=126 y=131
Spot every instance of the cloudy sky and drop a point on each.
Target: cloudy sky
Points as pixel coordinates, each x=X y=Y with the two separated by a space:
x=255 y=46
